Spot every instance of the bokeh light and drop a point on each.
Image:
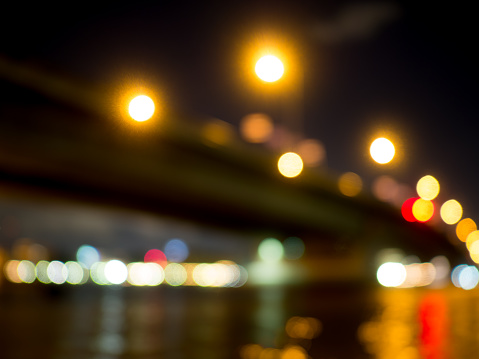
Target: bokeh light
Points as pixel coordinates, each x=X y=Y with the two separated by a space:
x=11 y=271
x=382 y=150
x=145 y=274
x=293 y=248
x=464 y=228
x=428 y=188
x=422 y=210
x=269 y=68
x=303 y=328
x=76 y=273
x=87 y=255
x=468 y=278
x=256 y=128
x=471 y=238
x=97 y=273
x=176 y=250
x=116 y=271
x=311 y=151
x=156 y=256
x=350 y=184
x=419 y=275
x=385 y=188
x=251 y=351
x=455 y=274
x=391 y=274
x=474 y=250
x=175 y=274
x=41 y=272
x=26 y=271
x=270 y=250
x=451 y=211
x=290 y=164
x=141 y=108
x=204 y=275
x=406 y=209
x=57 y=272
x=294 y=352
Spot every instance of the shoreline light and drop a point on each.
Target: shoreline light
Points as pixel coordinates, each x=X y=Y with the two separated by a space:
x=391 y=274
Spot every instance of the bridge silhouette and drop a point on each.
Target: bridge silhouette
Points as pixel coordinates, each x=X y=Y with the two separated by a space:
x=62 y=139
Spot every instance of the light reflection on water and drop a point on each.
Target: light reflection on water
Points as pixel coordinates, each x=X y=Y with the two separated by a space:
x=421 y=323
x=192 y=322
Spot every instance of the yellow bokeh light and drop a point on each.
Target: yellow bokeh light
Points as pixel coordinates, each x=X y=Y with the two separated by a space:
x=464 y=228
x=382 y=150
x=350 y=184
x=294 y=352
x=303 y=327
x=141 y=108
x=423 y=210
x=290 y=164
x=427 y=188
x=472 y=238
x=269 y=68
x=451 y=211
x=256 y=128
x=251 y=351
x=474 y=251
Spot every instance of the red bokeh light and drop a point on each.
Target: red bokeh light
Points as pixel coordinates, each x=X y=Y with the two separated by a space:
x=156 y=256
x=406 y=209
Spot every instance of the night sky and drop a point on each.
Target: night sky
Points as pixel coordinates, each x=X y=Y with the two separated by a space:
x=368 y=67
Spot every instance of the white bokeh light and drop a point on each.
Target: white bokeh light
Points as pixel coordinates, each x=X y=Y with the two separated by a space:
x=391 y=274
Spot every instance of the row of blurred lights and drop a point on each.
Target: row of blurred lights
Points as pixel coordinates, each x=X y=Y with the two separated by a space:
x=422 y=209
x=115 y=272
x=157 y=267
x=436 y=273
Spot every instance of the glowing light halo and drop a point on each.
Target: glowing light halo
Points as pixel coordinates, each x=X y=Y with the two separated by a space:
x=141 y=108
x=269 y=68
x=422 y=210
x=391 y=274
x=290 y=164
x=451 y=211
x=382 y=150
x=428 y=187
x=464 y=227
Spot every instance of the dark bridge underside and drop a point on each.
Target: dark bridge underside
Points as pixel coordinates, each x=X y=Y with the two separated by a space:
x=58 y=141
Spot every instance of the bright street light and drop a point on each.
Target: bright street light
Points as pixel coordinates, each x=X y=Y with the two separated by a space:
x=382 y=150
x=269 y=68
x=141 y=108
x=290 y=164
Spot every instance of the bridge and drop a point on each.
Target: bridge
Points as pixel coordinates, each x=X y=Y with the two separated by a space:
x=63 y=139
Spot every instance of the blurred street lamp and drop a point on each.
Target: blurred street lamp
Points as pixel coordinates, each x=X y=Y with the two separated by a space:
x=269 y=68
x=290 y=164
x=141 y=108
x=382 y=150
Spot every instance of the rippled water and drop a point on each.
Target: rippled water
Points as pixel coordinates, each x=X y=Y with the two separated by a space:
x=164 y=322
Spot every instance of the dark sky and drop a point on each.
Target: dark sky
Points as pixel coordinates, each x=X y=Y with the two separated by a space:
x=368 y=67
